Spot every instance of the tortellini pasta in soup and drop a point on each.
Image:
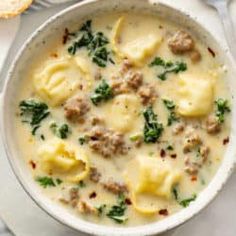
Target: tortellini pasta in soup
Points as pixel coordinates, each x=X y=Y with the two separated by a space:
x=58 y=80
x=150 y=176
x=128 y=123
x=196 y=94
x=138 y=50
x=63 y=158
x=124 y=111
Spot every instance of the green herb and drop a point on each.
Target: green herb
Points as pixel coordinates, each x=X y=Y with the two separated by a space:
x=135 y=137
x=152 y=129
x=151 y=154
x=198 y=151
x=101 y=209
x=170 y=148
x=35 y=128
x=42 y=137
x=117 y=212
x=33 y=112
x=95 y=43
x=102 y=93
x=169 y=104
x=83 y=140
x=175 y=193
x=85 y=38
x=172 y=118
x=187 y=201
x=86 y=26
x=168 y=67
x=157 y=62
x=60 y=131
x=58 y=181
x=100 y=56
x=99 y=40
x=81 y=184
x=54 y=127
x=112 y=61
x=222 y=106
x=175 y=68
x=184 y=202
x=172 y=115
x=63 y=131
x=46 y=181
x=203 y=182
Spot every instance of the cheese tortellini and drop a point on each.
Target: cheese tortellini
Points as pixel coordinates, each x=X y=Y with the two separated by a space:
x=196 y=95
x=150 y=181
x=63 y=158
x=58 y=80
x=83 y=65
x=137 y=50
x=124 y=112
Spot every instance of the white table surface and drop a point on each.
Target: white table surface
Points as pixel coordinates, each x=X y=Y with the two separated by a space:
x=24 y=218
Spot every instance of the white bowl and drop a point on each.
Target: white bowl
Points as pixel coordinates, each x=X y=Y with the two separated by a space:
x=32 y=48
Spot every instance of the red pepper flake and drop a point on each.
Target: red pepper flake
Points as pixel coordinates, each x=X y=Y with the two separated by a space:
x=173 y=156
x=81 y=87
x=194 y=178
x=211 y=52
x=54 y=55
x=128 y=201
x=65 y=36
x=162 y=153
x=33 y=164
x=226 y=141
x=163 y=212
x=92 y=195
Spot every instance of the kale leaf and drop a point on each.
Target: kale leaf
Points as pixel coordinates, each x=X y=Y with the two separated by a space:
x=152 y=129
x=84 y=40
x=60 y=131
x=117 y=212
x=100 y=56
x=187 y=201
x=81 y=184
x=101 y=208
x=169 y=104
x=58 y=181
x=172 y=118
x=95 y=43
x=48 y=181
x=222 y=106
x=102 y=93
x=33 y=112
x=169 y=147
x=83 y=139
x=172 y=115
x=175 y=193
x=168 y=67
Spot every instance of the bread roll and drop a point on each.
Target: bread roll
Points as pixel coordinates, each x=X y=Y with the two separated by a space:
x=11 y=8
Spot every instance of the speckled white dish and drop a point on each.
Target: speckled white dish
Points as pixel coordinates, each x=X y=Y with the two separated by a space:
x=32 y=47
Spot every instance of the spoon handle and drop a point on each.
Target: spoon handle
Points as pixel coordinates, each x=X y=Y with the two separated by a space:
x=226 y=20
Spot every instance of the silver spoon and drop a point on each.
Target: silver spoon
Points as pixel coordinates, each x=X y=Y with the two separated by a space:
x=222 y=7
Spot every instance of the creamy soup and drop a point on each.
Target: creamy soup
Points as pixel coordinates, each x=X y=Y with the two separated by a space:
x=124 y=119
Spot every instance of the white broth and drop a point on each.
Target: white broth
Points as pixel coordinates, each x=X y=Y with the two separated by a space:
x=124 y=120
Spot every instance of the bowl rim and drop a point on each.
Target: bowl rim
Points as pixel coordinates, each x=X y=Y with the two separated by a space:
x=93 y=228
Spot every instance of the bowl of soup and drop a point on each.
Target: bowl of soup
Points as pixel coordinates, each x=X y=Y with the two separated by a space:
x=117 y=117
